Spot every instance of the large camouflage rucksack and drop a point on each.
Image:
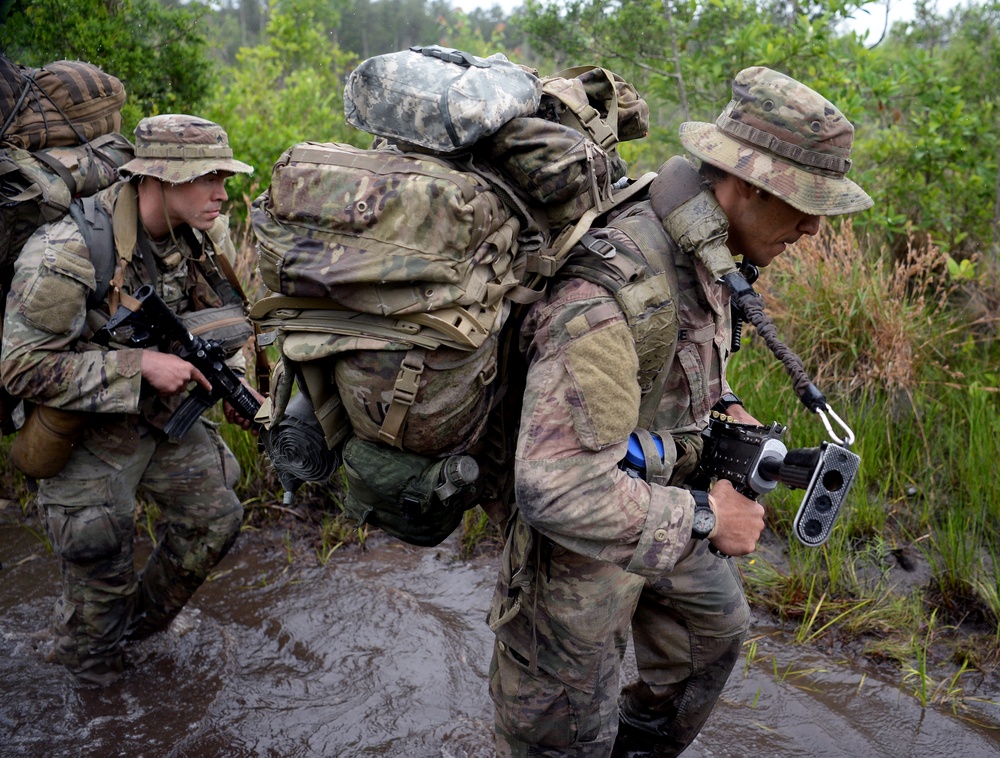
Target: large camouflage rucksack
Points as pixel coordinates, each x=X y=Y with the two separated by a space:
x=401 y=270
x=59 y=142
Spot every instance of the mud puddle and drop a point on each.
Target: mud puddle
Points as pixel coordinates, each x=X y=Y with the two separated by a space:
x=385 y=652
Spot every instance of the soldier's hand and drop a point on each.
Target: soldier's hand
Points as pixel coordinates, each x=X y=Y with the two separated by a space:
x=739 y=413
x=169 y=374
x=233 y=416
x=739 y=521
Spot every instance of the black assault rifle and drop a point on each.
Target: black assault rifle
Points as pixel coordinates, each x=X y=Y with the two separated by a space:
x=153 y=323
x=755 y=460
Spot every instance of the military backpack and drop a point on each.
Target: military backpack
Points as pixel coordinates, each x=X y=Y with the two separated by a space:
x=401 y=271
x=59 y=143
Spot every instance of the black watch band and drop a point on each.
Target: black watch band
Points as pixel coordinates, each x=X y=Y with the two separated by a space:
x=727 y=399
x=704 y=516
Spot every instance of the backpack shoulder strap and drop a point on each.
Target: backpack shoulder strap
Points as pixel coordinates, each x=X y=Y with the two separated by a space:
x=98 y=236
x=644 y=283
x=222 y=246
x=565 y=87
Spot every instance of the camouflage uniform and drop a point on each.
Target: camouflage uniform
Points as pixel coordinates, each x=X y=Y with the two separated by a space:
x=591 y=553
x=47 y=358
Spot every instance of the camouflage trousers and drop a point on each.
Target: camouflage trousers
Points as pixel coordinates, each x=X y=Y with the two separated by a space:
x=89 y=512
x=562 y=622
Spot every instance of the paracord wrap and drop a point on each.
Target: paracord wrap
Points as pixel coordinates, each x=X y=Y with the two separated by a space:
x=752 y=307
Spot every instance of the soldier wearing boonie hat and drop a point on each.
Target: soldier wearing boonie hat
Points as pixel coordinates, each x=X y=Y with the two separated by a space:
x=784 y=138
x=177 y=148
x=634 y=552
x=162 y=225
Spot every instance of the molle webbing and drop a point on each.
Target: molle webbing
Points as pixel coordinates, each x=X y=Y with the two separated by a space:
x=656 y=334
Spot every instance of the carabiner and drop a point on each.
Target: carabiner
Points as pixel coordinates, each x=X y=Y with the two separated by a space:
x=848 y=439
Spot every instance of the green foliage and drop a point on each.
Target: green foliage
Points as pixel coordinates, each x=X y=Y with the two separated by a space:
x=928 y=154
x=287 y=90
x=158 y=52
x=682 y=55
x=924 y=105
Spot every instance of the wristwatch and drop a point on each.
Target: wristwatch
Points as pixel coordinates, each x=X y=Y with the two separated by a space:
x=704 y=516
x=727 y=399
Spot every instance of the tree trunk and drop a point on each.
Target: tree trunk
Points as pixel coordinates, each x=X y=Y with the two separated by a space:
x=678 y=74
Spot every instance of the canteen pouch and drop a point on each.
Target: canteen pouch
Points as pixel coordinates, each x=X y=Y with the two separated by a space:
x=414 y=498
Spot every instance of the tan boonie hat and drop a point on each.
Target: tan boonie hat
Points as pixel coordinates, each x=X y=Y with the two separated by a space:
x=785 y=138
x=177 y=148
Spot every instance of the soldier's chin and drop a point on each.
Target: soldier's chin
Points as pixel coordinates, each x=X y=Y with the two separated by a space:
x=205 y=221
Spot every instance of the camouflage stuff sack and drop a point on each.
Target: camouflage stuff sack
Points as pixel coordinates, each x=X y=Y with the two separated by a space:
x=438 y=98
x=64 y=103
x=382 y=232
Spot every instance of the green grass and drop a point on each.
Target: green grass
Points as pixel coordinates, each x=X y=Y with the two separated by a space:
x=899 y=356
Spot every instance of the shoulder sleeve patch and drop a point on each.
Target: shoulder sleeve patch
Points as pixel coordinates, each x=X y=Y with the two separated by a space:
x=55 y=297
x=603 y=366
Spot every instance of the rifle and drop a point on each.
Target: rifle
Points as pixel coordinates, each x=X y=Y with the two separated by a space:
x=153 y=323
x=755 y=460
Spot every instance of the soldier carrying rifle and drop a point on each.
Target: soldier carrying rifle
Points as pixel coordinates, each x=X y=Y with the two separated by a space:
x=98 y=408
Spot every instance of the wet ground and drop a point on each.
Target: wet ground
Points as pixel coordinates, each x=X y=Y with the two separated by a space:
x=384 y=652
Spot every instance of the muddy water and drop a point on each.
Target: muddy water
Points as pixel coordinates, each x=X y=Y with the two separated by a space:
x=385 y=653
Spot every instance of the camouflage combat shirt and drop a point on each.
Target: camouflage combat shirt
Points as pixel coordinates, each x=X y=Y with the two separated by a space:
x=582 y=402
x=46 y=357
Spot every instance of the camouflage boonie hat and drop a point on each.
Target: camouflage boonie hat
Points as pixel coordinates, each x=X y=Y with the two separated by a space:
x=783 y=137
x=177 y=148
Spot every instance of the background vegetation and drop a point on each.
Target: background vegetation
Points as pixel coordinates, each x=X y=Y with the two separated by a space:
x=893 y=311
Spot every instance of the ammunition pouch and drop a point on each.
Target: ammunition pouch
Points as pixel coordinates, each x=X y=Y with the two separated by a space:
x=689 y=449
x=417 y=499
x=226 y=325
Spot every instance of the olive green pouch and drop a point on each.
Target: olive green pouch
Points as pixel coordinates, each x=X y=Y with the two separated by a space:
x=414 y=498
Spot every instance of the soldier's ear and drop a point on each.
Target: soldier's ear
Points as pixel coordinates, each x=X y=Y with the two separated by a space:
x=744 y=189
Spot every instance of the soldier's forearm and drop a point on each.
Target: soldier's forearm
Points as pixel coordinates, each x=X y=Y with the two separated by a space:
x=92 y=381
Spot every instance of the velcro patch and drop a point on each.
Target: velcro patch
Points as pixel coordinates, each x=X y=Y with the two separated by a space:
x=604 y=366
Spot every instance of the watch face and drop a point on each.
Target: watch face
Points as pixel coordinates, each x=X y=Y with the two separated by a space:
x=704 y=522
